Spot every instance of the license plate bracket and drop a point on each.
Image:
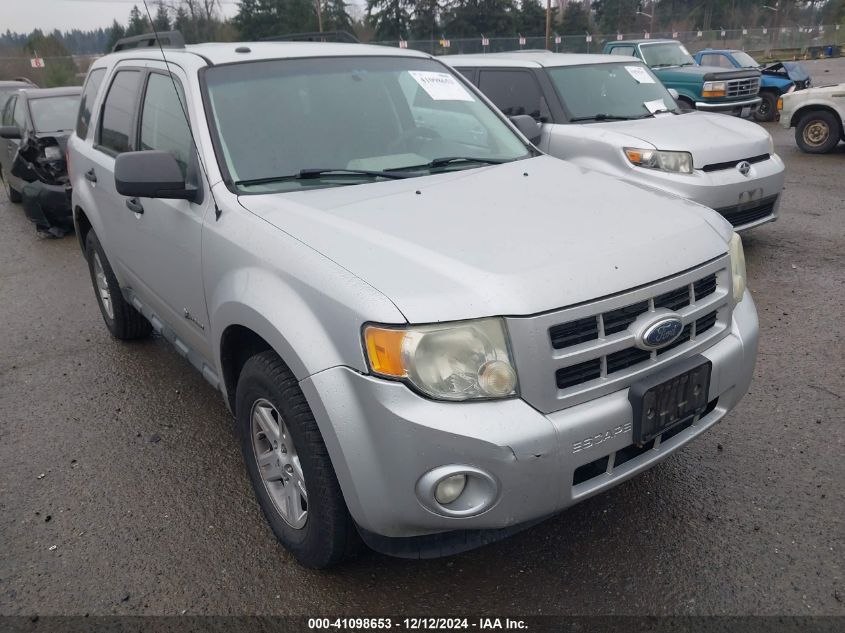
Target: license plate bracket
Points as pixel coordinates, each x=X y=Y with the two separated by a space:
x=669 y=397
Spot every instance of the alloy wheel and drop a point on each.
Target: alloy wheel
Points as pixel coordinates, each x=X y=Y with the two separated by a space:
x=278 y=463
x=103 y=286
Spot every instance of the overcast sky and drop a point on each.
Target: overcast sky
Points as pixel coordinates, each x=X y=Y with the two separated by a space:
x=25 y=15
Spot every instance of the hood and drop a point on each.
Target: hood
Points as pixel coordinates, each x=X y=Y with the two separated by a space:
x=512 y=239
x=792 y=70
x=710 y=138
x=706 y=73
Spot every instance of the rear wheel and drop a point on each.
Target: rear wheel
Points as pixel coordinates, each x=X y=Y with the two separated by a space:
x=768 y=108
x=289 y=465
x=122 y=319
x=12 y=194
x=818 y=132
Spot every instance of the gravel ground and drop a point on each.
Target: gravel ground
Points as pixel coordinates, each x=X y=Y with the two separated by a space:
x=122 y=489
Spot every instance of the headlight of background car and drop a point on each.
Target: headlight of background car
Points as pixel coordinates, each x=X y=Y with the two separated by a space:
x=677 y=162
x=737 y=267
x=466 y=360
x=714 y=89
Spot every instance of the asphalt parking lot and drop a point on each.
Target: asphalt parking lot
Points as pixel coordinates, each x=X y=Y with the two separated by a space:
x=122 y=489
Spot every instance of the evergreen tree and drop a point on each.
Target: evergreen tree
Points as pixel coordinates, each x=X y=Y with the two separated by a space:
x=531 y=18
x=390 y=18
x=575 y=20
x=115 y=33
x=138 y=23
x=336 y=17
x=257 y=19
x=59 y=69
x=424 y=20
x=471 y=18
x=161 y=21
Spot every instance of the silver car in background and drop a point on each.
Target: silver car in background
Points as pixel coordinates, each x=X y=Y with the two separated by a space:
x=612 y=114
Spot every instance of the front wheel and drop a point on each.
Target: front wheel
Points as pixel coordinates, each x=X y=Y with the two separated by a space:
x=817 y=132
x=768 y=108
x=289 y=465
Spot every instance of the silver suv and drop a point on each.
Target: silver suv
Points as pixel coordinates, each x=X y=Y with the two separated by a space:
x=430 y=334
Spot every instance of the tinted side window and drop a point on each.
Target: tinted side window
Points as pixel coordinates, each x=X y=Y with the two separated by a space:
x=716 y=60
x=89 y=95
x=163 y=123
x=623 y=50
x=513 y=91
x=119 y=110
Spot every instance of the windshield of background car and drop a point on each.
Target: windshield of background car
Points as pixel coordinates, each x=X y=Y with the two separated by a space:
x=54 y=114
x=624 y=89
x=666 y=54
x=745 y=60
x=275 y=118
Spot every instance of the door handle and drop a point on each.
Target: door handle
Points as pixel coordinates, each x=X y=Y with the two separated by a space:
x=91 y=175
x=134 y=206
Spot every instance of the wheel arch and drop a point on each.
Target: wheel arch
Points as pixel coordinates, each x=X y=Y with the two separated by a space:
x=82 y=225
x=812 y=107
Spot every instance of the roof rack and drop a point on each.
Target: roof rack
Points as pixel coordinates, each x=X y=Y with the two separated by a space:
x=167 y=39
x=314 y=36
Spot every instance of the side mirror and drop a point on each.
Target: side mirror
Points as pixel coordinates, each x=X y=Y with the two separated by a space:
x=674 y=93
x=10 y=132
x=528 y=126
x=151 y=174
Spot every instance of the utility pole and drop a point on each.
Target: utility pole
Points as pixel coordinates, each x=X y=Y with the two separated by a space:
x=548 y=25
x=319 y=4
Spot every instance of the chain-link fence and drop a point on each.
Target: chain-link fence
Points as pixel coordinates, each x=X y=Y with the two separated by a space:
x=786 y=42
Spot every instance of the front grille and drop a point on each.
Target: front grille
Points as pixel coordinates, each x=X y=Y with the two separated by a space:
x=606 y=464
x=742 y=214
x=731 y=164
x=576 y=354
x=748 y=87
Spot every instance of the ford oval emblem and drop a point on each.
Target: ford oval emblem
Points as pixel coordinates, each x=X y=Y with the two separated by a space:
x=663 y=332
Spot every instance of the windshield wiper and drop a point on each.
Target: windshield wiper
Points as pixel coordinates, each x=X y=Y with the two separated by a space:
x=313 y=173
x=449 y=160
x=602 y=117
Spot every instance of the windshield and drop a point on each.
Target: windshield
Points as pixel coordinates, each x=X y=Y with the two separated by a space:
x=54 y=114
x=276 y=119
x=666 y=54
x=745 y=60
x=610 y=91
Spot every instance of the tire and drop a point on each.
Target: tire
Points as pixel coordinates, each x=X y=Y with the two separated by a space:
x=12 y=194
x=818 y=132
x=122 y=319
x=768 y=108
x=267 y=390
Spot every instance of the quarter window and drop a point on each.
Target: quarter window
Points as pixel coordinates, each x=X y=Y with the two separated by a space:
x=513 y=91
x=19 y=116
x=89 y=95
x=8 y=119
x=163 y=123
x=623 y=50
x=119 y=111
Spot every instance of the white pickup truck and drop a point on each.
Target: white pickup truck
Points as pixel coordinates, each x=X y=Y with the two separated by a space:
x=818 y=116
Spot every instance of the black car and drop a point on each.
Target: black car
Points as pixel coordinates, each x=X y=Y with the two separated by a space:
x=34 y=127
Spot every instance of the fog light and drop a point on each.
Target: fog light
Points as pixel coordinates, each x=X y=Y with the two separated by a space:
x=450 y=488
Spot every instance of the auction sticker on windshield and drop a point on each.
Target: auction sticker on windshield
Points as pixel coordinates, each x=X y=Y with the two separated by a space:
x=639 y=73
x=441 y=86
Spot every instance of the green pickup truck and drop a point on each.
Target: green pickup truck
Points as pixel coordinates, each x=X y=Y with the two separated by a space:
x=706 y=88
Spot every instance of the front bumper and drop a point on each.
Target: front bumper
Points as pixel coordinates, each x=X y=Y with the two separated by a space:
x=742 y=108
x=47 y=205
x=382 y=438
x=725 y=190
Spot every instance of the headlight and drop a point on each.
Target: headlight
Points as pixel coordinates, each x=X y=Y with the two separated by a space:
x=737 y=267
x=678 y=162
x=714 y=89
x=455 y=361
x=52 y=152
